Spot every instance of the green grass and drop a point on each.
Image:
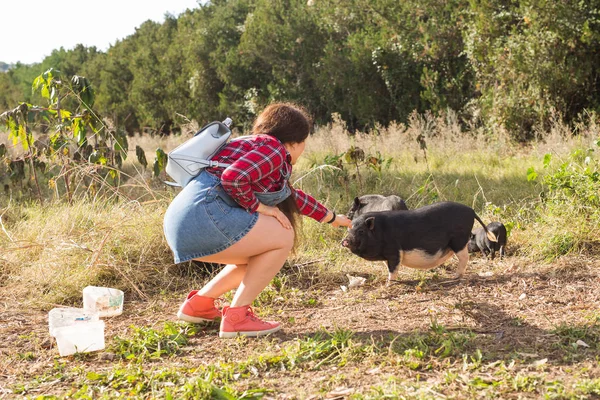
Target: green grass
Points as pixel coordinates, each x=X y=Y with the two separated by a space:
x=438 y=349
x=57 y=247
x=148 y=343
x=50 y=252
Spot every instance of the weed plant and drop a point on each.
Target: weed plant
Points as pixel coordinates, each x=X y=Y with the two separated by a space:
x=148 y=343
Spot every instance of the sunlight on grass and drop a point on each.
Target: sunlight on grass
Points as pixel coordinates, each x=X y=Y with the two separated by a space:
x=545 y=193
x=56 y=249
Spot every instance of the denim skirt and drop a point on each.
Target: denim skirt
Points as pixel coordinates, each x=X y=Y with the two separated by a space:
x=203 y=219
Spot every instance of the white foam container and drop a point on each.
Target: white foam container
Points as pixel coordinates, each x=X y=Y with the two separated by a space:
x=80 y=338
x=67 y=316
x=107 y=302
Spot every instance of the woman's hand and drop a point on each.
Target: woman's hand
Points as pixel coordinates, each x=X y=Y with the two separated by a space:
x=340 y=220
x=274 y=212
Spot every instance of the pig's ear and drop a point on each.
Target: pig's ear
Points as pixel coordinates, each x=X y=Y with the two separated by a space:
x=356 y=202
x=370 y=222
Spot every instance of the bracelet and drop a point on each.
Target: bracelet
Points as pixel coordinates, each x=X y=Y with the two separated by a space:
x=332 y=219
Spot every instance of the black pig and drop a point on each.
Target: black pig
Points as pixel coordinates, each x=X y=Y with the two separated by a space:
x=422 y=238
x=480 y=242
x=375 y=202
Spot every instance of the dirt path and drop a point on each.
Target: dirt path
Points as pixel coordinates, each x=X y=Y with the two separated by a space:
x=530 y=317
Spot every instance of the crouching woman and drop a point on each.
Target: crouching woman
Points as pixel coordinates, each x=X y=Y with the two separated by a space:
x=243 y=216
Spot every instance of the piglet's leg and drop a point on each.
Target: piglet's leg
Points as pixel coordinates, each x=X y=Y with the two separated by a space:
x=390 y=275
x=393 y=261
x=463 y=260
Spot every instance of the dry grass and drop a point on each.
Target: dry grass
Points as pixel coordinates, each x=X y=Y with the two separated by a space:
x=52 y=252
x=507 y=331
x=117 y=237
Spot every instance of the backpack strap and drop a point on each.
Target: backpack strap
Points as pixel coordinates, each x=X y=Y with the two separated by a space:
x=211 y=164
x=173 y=184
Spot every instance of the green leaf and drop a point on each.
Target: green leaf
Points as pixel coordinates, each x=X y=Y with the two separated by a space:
x=531 y=174
x=141 y=156
x=23 y=137
x=160 y=162
x=96 y=124
x=47 y=75
x=121 y=144
x=13 y=129
x=162 y=158
x=65 y=113
x=547 y=158
x=45 y=92
x=82 y=87
x=79 y=130
x=37 y=82
x=156 y=168
x=93 y=376
x=220 y=394
x=51 y=75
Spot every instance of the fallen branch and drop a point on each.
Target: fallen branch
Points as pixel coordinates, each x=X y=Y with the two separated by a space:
x=309 y=262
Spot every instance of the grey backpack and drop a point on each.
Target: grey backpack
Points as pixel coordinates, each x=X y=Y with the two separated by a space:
x=188 y=159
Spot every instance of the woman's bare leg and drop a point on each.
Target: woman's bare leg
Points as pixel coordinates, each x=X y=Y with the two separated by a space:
x=228 y=278
x=263 y=251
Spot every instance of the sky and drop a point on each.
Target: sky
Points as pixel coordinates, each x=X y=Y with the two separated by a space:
x=31 y=29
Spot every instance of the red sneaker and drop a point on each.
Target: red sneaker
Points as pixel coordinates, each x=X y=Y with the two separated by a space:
x=198 y=309
x=242 y=321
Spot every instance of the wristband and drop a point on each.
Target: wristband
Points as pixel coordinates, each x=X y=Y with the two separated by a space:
x=332 y=219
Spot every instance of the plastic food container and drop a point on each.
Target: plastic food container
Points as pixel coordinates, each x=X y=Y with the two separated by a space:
x=107 y=302
x=80 y=338
x=59 y=317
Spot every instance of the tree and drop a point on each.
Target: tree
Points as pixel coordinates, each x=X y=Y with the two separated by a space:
x=534 y=60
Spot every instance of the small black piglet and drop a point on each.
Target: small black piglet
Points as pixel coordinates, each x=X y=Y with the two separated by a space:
x=375 y=202
x=480 y=242
x=422 y=238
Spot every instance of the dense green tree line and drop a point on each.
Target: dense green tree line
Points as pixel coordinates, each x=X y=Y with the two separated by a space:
x=498 y=63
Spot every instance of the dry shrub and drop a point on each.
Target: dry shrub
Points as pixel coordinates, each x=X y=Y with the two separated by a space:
x=442 y=133
x=53 y=252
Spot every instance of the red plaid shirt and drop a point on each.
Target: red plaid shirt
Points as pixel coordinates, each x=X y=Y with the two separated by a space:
x=260 y=163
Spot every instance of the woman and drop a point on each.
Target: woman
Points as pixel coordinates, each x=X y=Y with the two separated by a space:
x=243 y=216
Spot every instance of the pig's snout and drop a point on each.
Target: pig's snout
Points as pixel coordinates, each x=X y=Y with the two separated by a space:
x=345 y=243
